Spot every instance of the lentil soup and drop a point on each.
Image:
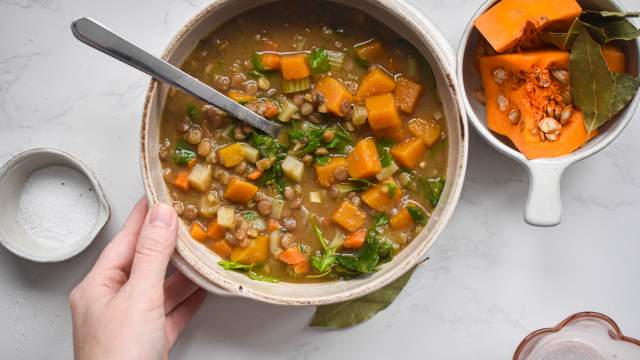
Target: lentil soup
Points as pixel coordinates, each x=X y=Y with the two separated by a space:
x=362 y=161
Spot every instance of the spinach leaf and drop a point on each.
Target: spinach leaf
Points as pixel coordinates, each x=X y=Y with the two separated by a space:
x=418 y=215
x=391 y=190
x=261 y=277
x=324 y=263
x=232 y=265
x=267 y=145
x=350 y=313
x=309 y=133
x=319 y=61
x=193 y=113
x=248 y=269
x=322 y=160
x=274 y=176
x=430 y=188
x=368 y=257
x=384 y=147
x=183 y=153
x=341 y=139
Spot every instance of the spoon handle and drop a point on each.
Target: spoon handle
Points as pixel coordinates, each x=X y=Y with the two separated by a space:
x=99 y=37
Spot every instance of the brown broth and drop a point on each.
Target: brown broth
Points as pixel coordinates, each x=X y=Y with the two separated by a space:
x=298 y=26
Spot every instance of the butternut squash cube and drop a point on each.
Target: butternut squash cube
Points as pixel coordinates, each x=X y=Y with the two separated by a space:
x=336 y=96
x=363 y=162
x=240 y=191
x=349 y=216
x=376 y=82
x=401 y=220
x=383 y=112
x=256 y=253
x=232 y=155
x=383 y=197
x=326 y=173
x=407 y=94
x=222 y=248
x=409 y=152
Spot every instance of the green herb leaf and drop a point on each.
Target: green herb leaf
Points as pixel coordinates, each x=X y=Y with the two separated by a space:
x=606 y=26
x=261 y=277
x=418 y=215
x=257 y=62
x=391 y=190
x=267 y=145
x=369 y=256
x=384 y=147
x=193 y=113
x=274 y=176
x=561 y=40
x=250 y=215
x=322 y=160
x=430 y=188
x=625 y=90
x=319 y=61
x=592 y=84
x=183 y=153
x=350 y=313
x=232 y=265
x=341 y=139
x=324 y=263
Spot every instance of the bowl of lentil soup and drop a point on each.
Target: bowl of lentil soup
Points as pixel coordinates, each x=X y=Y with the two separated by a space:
x=367 y=172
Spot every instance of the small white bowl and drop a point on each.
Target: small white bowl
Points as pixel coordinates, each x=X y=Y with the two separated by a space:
x=544 y=204
x=13 y=176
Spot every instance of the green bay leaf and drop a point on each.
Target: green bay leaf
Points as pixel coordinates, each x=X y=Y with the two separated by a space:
x=350 y=313
x=606 y=26
x=561 y=40
x=592 y=84
x=625 y=89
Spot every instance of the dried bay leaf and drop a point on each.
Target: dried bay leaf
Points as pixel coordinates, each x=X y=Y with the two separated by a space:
x=606 y=26
x=561 y=40
x=626 y=88
x=354 y=312
x=592 y=84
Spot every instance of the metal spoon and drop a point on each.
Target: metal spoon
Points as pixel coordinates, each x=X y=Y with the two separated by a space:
x=99 y=37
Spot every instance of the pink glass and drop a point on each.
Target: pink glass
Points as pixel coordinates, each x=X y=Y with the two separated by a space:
x=582 y=336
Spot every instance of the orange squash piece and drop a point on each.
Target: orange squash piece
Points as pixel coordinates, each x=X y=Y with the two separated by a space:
x=407 y=94
x=256 y=253
x=427 y=129
x=270 y=61
x=294 y=67
x=240 y=191
x=240 y=97
x=512 y=23
x=383 y=197
x=355 y=240
x=376 y=82
x=383 y=112
x=409 y=152
x=363 y=161
x=222 y=248
x=614 y=57
x=232 y=155
x=198 y=232
x=292 y=256
x=531 y=100
x=336 y=96
x=395 y=133
x=302 y=268
x=326 y=173
x=182 y=181
x=401 y=220
x=349 y=216
x=215 y=231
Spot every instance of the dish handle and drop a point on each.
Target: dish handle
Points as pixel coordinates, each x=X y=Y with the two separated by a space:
x=544 y=203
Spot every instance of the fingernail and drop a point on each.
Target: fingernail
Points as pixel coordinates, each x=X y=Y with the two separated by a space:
x=162 y=214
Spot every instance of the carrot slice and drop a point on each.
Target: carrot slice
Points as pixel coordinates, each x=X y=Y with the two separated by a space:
x=198 y=232
x=270 y=61
x=182 y=181
x=355 y=239
x=302 y=268
x=273 y=225
x=254 y=175
x=292 y=256
x=215 y=231
x=240 y=191
x=222 y=248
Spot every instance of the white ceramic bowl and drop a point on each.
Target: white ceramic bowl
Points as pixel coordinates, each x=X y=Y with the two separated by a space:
x=200 y=264
x=13 y=175
x=544 y=203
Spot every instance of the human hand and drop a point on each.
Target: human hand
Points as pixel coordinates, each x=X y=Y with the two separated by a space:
x=125 y=308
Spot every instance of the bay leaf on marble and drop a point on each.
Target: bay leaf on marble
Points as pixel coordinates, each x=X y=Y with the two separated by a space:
x=350 y=313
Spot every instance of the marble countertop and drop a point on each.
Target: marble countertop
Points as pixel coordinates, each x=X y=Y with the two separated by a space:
x=491 y=278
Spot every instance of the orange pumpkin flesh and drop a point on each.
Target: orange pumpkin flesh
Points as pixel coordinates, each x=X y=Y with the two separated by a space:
x=513 y=23
x=523 y=88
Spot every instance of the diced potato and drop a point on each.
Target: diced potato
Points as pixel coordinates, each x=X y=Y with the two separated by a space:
x=256 y=253
x=231 y=155
x=208 y=208
x=387 y=171
x=250 y=153
x=200 y=177
x=277 y=205
x=293 y=168
x=315 y=197
x=226 y=217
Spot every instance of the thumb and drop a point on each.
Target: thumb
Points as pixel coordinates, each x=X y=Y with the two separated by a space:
x=155 y=246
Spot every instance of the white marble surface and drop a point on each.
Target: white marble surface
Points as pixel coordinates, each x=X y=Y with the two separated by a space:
x=491 y=278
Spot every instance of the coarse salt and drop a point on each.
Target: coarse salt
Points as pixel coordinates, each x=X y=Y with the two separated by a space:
x=58 y=206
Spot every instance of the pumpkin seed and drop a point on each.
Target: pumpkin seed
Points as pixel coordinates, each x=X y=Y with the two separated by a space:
x=480 y=96
x=551 y=108
x=557 y=113
x=566 y=96
x=551 y=137
x=566 y=114
x=561 y=75
x=549 y=125
x=545 y=83
x=503 y=102
x=499 y=75
x=514 y=116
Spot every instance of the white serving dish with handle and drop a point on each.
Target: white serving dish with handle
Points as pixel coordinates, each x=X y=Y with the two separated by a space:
x=544 y=202
x=200 y=264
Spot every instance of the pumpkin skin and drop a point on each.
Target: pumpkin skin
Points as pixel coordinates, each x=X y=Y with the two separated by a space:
x=513 y=23
x=526 y=94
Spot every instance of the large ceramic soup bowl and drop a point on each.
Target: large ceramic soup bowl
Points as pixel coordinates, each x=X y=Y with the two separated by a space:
x=201 y=265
